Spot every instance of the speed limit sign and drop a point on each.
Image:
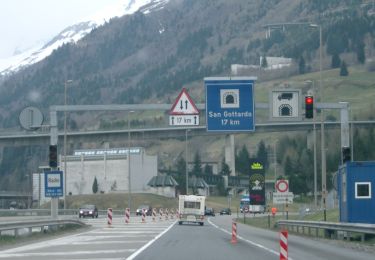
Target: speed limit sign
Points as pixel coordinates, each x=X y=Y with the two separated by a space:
x=282 y=186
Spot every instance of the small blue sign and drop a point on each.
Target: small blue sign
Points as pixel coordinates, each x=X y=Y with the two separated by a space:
x=230 y=104
x=53 y=181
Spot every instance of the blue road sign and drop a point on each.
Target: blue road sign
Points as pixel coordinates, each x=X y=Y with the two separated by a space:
x=230 y=104
x=53 y=183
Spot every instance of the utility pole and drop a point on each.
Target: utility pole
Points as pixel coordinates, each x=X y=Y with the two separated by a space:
x=65 y=168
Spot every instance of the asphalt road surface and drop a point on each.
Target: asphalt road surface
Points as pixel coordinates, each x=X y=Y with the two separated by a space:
x=165 y=239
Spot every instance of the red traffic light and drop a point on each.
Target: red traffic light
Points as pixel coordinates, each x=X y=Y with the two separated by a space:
x=309 y=107
x=309 y=100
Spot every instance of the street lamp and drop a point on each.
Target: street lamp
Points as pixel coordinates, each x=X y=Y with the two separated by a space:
x=65 y=170
x=323 y=152
x=129 y=170
x=322 y=137
x=275 y=158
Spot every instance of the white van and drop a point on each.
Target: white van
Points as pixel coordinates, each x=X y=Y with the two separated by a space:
x=191 y=209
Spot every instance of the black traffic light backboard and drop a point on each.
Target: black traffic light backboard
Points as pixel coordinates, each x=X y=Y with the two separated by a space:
x=53 y=156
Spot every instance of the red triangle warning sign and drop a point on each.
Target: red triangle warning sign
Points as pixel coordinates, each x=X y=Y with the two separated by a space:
x=184 y=105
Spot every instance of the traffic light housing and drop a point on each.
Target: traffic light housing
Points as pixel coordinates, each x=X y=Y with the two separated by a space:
x=309 y=107
x=346 y=154
x=53 y=156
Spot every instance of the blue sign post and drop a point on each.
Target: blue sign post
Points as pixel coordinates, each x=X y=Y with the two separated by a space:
x=230 y=104
x=53 y=181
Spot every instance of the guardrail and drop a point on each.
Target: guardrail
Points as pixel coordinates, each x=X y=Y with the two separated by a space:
x=27 y=226
x=47 y=212
x=331 y=229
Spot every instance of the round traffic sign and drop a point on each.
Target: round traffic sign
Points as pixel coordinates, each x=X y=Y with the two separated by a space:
x=282 y=185
x=31 y=118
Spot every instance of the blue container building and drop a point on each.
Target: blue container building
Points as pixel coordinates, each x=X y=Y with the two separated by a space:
x=356 y=194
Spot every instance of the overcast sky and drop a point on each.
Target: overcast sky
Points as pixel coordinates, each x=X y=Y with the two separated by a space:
x=25 y=22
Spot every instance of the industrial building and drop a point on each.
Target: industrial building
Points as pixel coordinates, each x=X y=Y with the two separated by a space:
x=110 y=167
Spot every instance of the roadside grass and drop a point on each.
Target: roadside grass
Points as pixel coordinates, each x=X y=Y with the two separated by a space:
x=270 y=222
x=119 y=201
x=356 y=88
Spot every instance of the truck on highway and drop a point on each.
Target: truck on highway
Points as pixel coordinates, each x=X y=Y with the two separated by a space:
x=191 y=209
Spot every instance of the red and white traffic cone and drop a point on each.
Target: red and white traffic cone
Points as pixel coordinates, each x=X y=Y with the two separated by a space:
x=172 y=213
x=109 y=217
x=127 y=215
x=160 y=214
x=284 y=245
x=234 y=233
x=143 y=216
x=166 y=214
x=153 y=215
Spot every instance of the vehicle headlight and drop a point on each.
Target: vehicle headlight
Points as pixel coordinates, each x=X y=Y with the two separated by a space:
x=90 y=212
x=81 y=211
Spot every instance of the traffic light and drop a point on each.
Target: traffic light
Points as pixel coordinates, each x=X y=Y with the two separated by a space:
x=346 y=156
x=53 y=156
x=309 y=107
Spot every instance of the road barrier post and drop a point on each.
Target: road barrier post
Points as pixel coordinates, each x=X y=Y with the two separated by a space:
x=284 y=244
x=172 y=213
x=234 y=232
x=127 y=215
x=109 y=216
x=153 y=214
x=160 y=214
x=143 y=216
x=166 y=214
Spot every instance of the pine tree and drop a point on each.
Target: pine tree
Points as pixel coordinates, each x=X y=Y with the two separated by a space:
x=181 y=174
x=288 y=167
x=361 y=56
x=302 y=65
x=264 y=63
x=336 y=61
x=95 y=186
x=243 y=161
x=197 y=166
x=343 y=69
x=262 y=154
x=207 y=170
x=225 y=170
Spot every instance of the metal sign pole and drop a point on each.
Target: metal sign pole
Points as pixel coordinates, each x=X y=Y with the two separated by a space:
x=53 y=141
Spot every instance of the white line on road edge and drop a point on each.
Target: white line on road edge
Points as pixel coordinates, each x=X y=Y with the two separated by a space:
x=248 y=241
x=150 y=243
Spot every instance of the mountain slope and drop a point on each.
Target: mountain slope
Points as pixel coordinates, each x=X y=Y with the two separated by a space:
x=75 y=32
x=148 y=56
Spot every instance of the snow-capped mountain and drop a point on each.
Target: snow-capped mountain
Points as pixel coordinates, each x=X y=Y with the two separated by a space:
x=75 y=32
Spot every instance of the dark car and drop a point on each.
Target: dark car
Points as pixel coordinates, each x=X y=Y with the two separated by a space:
x=88 y=210
x=226 y=211
x=209 y=212
x=147 y=208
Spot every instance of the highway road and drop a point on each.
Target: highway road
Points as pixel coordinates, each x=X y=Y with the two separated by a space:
x=165 y=239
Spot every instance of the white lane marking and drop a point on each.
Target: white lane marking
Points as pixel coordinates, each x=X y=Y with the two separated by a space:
x=114 y=236
x=87 y=236
x=108 y=242
x=96 y=258
x=131 y=257
x=66 y=253
x=126 y=232
x=48 y=243
x=248 y=241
